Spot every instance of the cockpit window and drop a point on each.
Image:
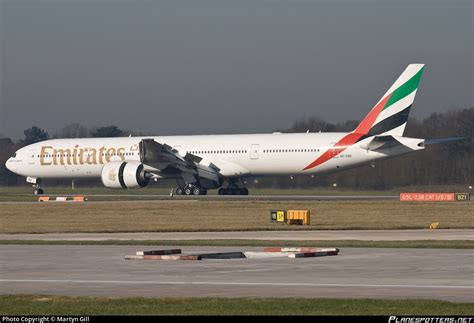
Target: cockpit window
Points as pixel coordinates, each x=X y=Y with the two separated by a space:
x=14 y=155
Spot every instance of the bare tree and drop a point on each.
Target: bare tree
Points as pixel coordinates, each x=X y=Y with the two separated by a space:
x=73 y=130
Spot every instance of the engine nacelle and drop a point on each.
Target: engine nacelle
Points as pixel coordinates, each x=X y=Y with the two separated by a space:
x=124 y=174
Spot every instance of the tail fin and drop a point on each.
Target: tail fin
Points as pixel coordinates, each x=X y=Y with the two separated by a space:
x=390 y=114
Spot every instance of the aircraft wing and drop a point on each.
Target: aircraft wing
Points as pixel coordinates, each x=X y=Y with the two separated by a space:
x=162 y=160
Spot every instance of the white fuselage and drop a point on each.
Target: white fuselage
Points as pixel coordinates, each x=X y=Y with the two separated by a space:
x=234 y=155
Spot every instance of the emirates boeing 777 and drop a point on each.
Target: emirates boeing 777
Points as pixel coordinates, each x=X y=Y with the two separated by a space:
x=199 y=163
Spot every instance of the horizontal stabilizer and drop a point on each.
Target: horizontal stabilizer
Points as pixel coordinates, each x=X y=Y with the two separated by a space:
x=389 y=142
x=442 y=140
x=382 y=142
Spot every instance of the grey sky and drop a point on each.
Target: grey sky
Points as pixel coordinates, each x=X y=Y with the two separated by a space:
x=189 y=67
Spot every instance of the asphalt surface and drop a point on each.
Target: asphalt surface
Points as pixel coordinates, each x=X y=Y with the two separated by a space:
x=375 y=235
x=167 y=197
x=355 y=273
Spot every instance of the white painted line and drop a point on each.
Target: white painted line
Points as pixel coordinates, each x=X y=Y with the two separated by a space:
x=127 y=282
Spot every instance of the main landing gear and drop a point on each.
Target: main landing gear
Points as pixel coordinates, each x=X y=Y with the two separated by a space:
x=196 y=189
x=191 y=189
x=234 y=188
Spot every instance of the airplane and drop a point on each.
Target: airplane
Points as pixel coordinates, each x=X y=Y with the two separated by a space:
x=202 y=162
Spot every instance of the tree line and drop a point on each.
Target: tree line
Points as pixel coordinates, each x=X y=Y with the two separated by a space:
x=441 y=164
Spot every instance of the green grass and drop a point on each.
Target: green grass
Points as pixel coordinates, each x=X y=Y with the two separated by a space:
x=445 y=244
x=220 y=215
x=58 y=305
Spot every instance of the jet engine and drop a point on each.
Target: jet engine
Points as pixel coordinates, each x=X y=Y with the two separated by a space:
x=124 y=174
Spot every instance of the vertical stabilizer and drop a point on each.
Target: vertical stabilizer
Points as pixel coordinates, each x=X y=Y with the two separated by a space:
x=390 y=114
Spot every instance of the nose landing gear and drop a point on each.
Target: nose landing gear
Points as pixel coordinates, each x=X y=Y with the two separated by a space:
x=37 y=185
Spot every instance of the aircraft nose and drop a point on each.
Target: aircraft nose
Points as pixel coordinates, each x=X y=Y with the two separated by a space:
x=9 y=165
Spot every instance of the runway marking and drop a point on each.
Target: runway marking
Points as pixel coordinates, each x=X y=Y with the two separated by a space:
x=124 y=282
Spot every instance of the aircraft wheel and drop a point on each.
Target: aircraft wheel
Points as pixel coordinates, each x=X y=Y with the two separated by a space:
x=179 y=191
x=244 y=191
x=197 y=191
x=222 y=191
x=188 y=191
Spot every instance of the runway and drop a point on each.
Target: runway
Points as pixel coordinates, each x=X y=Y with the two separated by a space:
x=374 y=235
x=267 y=197
x=355 y=273
x=212 y=197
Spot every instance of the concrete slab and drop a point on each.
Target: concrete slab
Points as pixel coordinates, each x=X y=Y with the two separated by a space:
x=446 y=274
x=222 y=255
x=263 y=254
x=303 y=249
x=312 y=254
x=158 y=252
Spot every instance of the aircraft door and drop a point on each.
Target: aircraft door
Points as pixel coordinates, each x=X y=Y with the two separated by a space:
x=254 y=149
x=31 y=156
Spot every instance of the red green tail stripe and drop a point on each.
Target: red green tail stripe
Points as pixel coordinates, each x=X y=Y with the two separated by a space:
x=365 y=125
x=351 y=138
x=405 y=89
x=340 y=146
